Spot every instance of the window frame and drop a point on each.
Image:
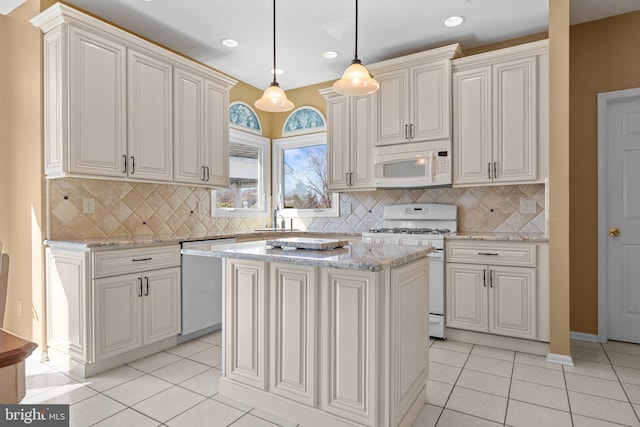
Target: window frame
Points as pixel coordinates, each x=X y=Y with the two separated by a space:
x=281 y=144
x=264 y=182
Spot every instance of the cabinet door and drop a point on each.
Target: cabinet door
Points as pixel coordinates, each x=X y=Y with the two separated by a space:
x=392 y=106
x=467 y=306
x=512 y=301
x=161 y=304
x=245 y=317
x=216 y=134
x=189 y=164
x=361 y=154
x=515 y=120
x=338 y=144
x=293 y=332
x=430 y=102
x=97 y=111
x=348 y=343
x=472 y=131
x=117 y=318
x=150 y=117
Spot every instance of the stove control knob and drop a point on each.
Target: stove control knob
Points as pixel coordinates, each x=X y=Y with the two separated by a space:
x=614 y=232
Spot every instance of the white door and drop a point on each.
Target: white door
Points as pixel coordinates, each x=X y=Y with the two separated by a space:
x=216 y=134
x=512 y=301
x=361 y=154
x=161 y=304
x=467 y=304
x=623 y=213
x=430 y=102
x=392 y=125
x=188 y=113
x=338 y=142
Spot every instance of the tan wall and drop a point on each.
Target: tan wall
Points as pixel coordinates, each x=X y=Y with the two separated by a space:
x=604 y=57
x=24 y=187
x=249 y=94
x=4 y=144
x=305 y=96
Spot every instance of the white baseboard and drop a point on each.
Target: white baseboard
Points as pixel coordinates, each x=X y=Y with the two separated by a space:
x=581 y=336
x=559 y=359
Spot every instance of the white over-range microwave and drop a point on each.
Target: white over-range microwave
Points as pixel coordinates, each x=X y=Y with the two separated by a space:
x=413 y=165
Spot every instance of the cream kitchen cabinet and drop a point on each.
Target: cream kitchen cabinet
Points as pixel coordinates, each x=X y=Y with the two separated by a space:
x=201 y=130
x=499 y=288
x=349 y=134
x=108 y=307
x=413 y=103
x=500 y=116
x=109 y=104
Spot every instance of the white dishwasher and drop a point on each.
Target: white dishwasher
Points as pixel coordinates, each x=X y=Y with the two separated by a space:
x=202 y=279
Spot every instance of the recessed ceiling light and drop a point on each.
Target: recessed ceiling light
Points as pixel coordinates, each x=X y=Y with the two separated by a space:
x=278 y=71
x=227 y=42
x=453 y=21
x=330 y=54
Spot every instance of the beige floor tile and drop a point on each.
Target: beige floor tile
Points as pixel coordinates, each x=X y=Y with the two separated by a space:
x=211 y=356
x=591 y=369
x=232 y=402
x=604 y=409
x=521 y=414
x=215 y=413
x=66 y=394
x=535 y=360
x=47 y=381
x=214 y=338
x=624 y=359
x=112 y=378
x=444 y=373
x=249 y=420
x=457 y=419
x=188 y=348
x=489 y=365
x=595 y=386
x=582 y=421
x=581 y=353
x=205 y=383
x=478 y=404
x=461 y=347
x=447 y=357
x=138 y=389
x=180 y=371
x=428 y=416
x=628 y=375
x=155 y=361
x=535 y=374
x=272 y=418
x=495 y=353
x=93 y=410
x=487 y=383
x=538 y=394
x=438 y=393
x=633 y=392
x=622 y=347
x=168 y=403
x=128 y=417
x=586 y=344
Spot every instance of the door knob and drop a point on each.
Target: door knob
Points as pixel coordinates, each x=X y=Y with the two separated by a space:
x=614 y=232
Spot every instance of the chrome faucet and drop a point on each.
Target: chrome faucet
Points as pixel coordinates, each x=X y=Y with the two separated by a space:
x=274 y=223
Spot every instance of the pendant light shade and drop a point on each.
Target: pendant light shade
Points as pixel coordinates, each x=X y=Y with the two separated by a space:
x=274 y=100
x=356 y=79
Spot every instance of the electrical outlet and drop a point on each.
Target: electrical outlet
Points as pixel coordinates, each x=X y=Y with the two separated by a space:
x=528 y=206
x=89 y=206
x=202 y=208
x=345 y=208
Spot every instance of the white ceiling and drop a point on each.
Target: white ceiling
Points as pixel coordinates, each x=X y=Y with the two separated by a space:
x=306 y=28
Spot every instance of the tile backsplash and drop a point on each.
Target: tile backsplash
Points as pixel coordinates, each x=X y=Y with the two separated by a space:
x=129 y=209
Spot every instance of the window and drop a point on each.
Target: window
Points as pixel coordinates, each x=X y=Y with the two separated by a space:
x=300 y=177
x=249 y=178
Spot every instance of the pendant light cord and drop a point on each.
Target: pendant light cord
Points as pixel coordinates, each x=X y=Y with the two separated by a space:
x=274 y=41
x=356 y=50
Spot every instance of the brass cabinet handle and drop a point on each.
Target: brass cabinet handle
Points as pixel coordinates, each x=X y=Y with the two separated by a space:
x=614 y=231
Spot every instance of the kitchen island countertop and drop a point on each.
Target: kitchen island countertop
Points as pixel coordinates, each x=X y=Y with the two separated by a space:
x=354 y=256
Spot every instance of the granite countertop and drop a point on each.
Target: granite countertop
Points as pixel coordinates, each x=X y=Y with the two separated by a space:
x=168 y=239
x=482 y=235
x=354 y=256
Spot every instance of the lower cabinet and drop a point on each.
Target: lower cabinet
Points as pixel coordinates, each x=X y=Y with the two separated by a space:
x=135 y=310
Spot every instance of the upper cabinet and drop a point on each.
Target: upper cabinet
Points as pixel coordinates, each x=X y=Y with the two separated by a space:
x=349 y=150
x=112 y=106
x=414 y=100
x=500 y=116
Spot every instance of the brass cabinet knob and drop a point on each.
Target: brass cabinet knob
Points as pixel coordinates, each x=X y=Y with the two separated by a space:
x=614 y=232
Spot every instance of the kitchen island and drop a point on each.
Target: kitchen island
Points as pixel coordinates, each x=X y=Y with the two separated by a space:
x=326 y=337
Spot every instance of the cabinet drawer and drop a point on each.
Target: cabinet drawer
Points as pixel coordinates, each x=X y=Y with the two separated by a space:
x=123 y=261
x=515 y=254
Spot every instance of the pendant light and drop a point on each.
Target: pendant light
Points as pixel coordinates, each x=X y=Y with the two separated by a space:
x=274 y=100
x=356 y=79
